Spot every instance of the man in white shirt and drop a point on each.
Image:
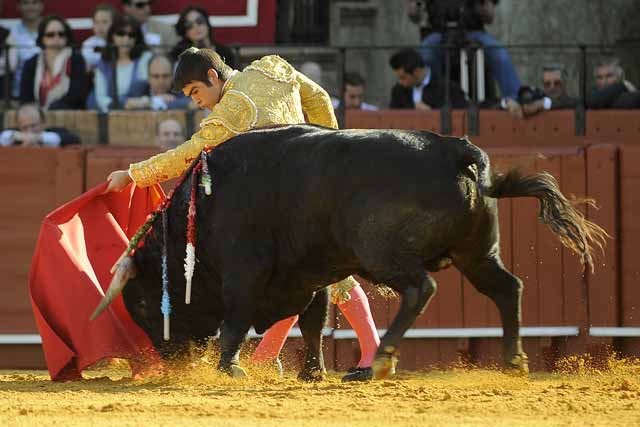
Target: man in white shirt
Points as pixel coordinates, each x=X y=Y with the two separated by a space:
x=23 y=36
x=31 y=131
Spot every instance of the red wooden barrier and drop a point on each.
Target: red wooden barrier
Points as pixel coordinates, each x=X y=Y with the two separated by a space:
x=616 y=126
x=629 y=242
x=34 y=182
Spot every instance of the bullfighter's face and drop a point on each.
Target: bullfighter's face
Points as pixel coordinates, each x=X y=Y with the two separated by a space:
x=205 y=95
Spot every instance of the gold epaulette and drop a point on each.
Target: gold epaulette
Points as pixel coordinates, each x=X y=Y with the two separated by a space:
x=274 y=67
x=235 y=111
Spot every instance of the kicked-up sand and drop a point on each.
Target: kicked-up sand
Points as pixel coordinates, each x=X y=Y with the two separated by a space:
x=200 y=396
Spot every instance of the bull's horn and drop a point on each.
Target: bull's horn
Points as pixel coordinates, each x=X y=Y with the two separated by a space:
x=125 y=270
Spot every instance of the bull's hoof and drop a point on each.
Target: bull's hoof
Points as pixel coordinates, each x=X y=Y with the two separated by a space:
x=358 y=374
x=518 y=365
x=238 y=371
x=314 y=376
x=384 y=365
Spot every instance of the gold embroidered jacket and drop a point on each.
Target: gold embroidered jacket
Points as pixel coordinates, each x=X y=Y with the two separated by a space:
x=267 y=92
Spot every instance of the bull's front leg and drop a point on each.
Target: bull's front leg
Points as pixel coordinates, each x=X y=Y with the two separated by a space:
x=239 y=306
x=312 y=322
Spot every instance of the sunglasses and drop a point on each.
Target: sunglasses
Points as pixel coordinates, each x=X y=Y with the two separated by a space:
x=142 y=4
x=122 y=33
x=52 y=34
x=198 y=21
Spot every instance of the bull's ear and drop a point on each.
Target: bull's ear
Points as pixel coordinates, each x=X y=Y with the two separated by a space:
x=125 y=270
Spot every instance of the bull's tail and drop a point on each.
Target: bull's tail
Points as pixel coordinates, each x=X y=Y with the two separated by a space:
x=569 y=224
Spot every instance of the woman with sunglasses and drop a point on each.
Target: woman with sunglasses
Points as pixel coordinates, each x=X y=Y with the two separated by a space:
x=195 y=30
x=55 y=77
x=128 y=55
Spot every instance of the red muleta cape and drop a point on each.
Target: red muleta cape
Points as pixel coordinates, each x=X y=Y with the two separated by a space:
x=77 y=245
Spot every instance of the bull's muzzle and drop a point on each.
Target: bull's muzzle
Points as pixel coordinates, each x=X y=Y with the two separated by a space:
x=125 y=270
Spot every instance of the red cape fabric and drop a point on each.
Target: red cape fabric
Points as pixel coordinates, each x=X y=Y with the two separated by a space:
x=78 y=244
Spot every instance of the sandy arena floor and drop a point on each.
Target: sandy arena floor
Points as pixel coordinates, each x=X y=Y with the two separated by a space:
x=202 y=396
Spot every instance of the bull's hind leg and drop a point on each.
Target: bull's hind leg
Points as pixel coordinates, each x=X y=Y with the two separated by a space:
x=491 y=278
x=416 y=288
x=311 y=322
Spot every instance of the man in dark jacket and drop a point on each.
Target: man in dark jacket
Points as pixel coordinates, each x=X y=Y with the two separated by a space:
x=611 y=89
x=419 y=86
x=31 y=131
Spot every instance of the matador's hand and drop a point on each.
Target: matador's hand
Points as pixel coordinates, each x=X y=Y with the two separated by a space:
x=118 y=181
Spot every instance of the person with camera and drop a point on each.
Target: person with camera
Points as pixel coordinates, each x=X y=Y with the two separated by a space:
x=553 y=96
x=448 y=21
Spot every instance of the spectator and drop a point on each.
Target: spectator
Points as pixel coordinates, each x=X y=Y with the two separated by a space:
x=474 y=15
x=5 y=72
x=156 y=34
x=419 y=86
x=194 y=28
x=56 y=77
x=31 y=131
x=103 y=15
x=23 y=35
x=611 y=89
x=125 y=47
x=169 y=134
x=313 y=70
x=353 y=94
x=155 y=94
x=553 y=97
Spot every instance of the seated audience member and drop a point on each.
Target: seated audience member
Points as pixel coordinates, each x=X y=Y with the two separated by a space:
x=55 y=78
x=419 y=87
x=553 y=97
x=611 y=89
x=31 y=131
x=155 y=93
x=194 y=29
x=103 y=15
x=353 y=94
x=169 y=134
x=23 y=36
x=157 y=34
x=125 y=46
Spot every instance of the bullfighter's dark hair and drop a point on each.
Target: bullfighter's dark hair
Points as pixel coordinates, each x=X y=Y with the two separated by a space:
x=193 y=65
x=406 y=59
x=43 y=26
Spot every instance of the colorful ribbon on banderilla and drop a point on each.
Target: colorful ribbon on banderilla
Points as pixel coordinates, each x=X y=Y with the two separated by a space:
x=201 y=169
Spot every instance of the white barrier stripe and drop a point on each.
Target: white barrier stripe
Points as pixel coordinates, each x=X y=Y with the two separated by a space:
x=20 y=339
x=339 y=334
x=527 y=331
x=248 y=20
x=610 y=331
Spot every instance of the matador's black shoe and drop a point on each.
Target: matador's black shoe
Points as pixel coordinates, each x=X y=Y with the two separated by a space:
x=358 y=374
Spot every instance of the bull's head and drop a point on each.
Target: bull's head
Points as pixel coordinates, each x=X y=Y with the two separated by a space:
x=142 y=293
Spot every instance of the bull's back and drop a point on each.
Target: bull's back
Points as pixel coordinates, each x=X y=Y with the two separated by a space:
x=322 y=189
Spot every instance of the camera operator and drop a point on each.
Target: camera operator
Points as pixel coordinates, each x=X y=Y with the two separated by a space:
x=466 y=19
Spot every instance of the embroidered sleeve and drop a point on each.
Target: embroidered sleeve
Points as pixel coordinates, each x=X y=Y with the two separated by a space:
x=316 y=103
x=234 y=114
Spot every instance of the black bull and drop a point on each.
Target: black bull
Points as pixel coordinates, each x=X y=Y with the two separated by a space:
x=297 y=208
